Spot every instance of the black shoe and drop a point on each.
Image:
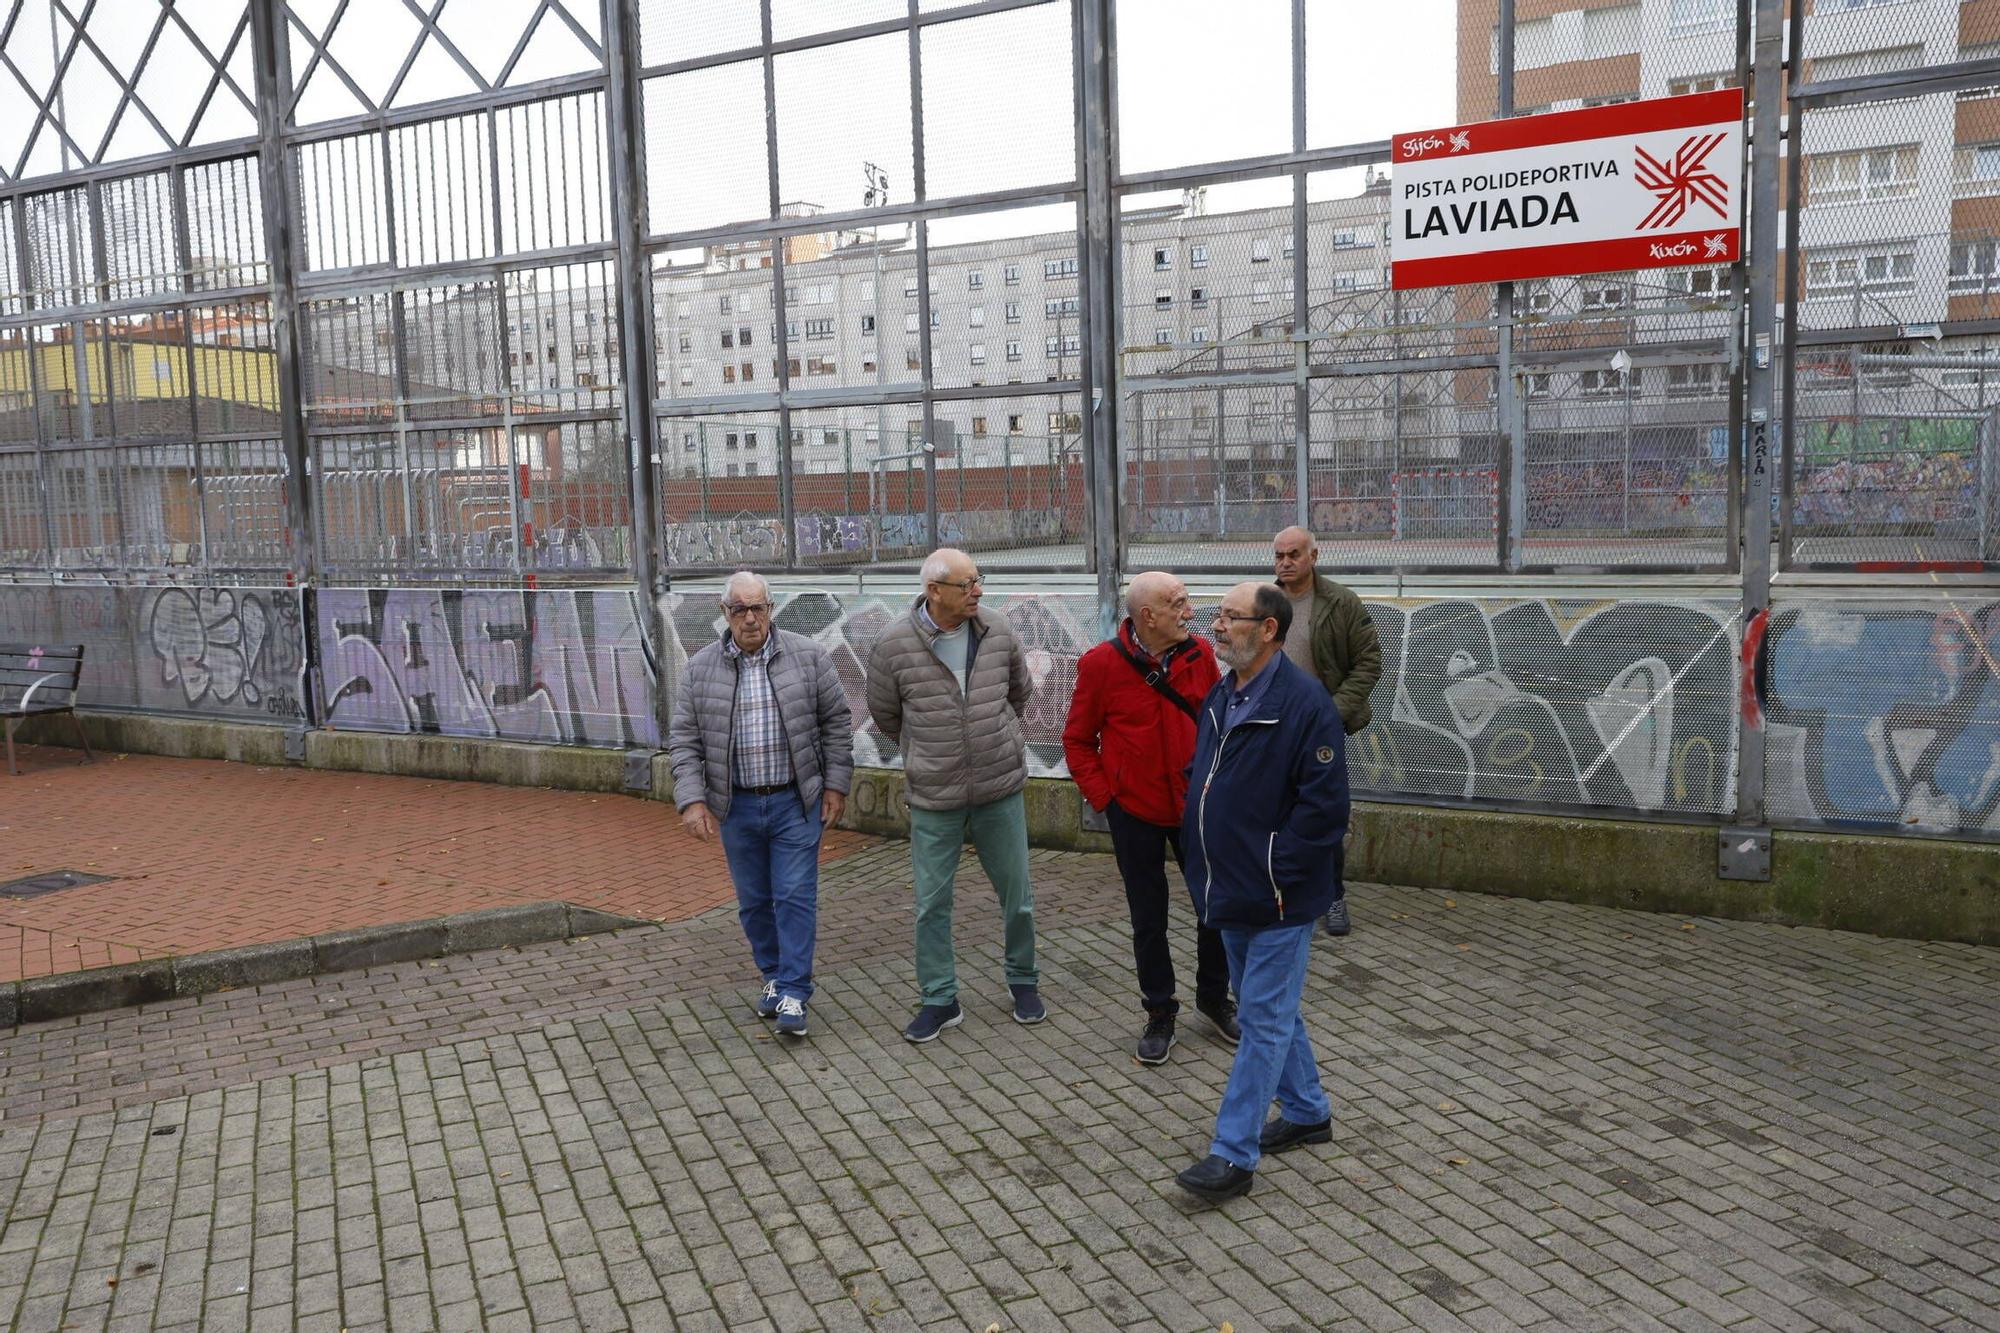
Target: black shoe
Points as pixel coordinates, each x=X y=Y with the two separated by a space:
x=933 y=1019
x=1222 y=1013
x=1281 y=1134
x=1336 y=920
x=1028 y=1006
x=1157 y=1041
x=1215 y=1179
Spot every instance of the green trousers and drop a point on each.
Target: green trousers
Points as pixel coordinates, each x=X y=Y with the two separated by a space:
x=999 y=832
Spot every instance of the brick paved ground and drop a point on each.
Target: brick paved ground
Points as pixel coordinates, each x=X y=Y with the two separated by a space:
x=208 y=855
x=1550 y=1116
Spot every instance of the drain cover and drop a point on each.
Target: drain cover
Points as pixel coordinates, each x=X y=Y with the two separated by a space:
x=49 y=881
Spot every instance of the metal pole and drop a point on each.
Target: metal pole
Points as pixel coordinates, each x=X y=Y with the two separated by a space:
x=1765 y=432
x=1301 y=275
x=635 y=324
x=1507 y=427
x=278 y=196
x=1099 y=282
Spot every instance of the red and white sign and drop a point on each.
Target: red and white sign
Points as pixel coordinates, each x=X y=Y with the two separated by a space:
x=1638 y=185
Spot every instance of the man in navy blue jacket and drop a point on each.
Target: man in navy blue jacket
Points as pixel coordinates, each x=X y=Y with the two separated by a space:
x=1266 y=812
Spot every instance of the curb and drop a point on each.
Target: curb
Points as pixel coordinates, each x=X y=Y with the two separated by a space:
x=41 y=999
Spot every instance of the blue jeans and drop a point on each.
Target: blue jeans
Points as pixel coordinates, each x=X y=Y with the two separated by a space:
x=1274 y=1059
x=773 y=847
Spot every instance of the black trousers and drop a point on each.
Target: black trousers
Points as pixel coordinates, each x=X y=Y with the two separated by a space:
x=1141 y=849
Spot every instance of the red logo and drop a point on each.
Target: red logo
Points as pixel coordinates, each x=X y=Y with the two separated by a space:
x=1682 y=182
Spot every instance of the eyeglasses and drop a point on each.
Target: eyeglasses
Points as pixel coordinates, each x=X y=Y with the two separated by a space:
x=977 y=580
x=1229 y=619
x=747 y=608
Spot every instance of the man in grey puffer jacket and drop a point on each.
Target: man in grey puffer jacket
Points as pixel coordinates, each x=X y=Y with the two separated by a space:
x=762 y=740
x=947 y=683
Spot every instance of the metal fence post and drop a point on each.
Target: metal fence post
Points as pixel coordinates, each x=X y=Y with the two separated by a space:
x=1766 y=432
x=279 y=201
x=635 y=344
x=1099 y=281
x=1510 y=460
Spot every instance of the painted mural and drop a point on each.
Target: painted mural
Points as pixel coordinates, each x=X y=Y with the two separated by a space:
x=1623 y=704
x=568 y=666
x=234 y=653
x=1885 y=713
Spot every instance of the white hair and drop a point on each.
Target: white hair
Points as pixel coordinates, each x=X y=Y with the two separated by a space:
x=937 y=565
x=745 y=575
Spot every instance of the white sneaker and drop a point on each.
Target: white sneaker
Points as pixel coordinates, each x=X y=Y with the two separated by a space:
x=791 y=1017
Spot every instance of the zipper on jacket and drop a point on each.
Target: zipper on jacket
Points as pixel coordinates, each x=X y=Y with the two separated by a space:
x=1271 y=871
x=1201 y=811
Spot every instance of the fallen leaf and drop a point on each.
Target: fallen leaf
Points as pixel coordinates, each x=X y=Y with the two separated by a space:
x=993 y=1327
x=1446 y=1106
x=1687 y=925
x=1458 y=1161
x=1451 y=902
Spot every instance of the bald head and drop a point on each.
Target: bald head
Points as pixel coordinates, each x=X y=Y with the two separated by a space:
x=1294 y=556
x=1158 y=605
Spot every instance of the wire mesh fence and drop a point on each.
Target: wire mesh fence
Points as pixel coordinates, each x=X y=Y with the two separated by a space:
x=863 y=252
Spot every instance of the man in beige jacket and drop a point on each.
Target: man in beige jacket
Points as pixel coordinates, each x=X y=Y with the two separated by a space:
x=947 y=682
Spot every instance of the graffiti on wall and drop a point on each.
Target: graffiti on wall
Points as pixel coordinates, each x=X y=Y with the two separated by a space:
x=1622 y=704
x=569 y=667
x=236 y=653
x=1885 y=714
x=746 y=540
x=1629 y=705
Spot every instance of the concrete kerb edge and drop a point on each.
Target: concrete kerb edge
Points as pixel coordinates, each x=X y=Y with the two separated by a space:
x=42 y=999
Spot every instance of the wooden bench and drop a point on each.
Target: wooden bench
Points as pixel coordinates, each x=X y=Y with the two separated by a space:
x=37 y=679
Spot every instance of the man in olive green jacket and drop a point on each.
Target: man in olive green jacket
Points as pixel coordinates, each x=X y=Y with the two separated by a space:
x=947 y=682
x=1341 y=650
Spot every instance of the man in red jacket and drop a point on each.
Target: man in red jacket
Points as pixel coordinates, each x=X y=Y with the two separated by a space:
x=1129 y=738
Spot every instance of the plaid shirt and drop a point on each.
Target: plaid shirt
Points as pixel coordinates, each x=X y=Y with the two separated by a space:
x=761 y=756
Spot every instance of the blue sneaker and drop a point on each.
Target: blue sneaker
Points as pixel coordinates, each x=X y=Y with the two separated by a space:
x=766 y=1003
x=933 y=1019
x=791 y=1017
x=1028 y=1007
x=1337 y=921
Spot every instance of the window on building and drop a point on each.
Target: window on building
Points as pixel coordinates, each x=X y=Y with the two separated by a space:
x=1198 y=334
x=910 y=286
x=1858 y=64
x=1883 y=269
x=1163 y=298
x=868 y=326
x=1198 y=297
x=749 y=372
x=1345 y=239
x=979 y=425
x=910 y=322
x=733 y=470
x=722 y=304
x=1163 y=337
x=1013 y=349
x=1065 y=423
x=687 y=374
x=868 y=290
x=1163 y=258
x=818 y=330
x=977 y=353
x=682 y=310
x=1605 y=382
x=976 y=317
x=1059 y=307
x=975 y=279
x=1975 y=266
x=1014 y=423
x=1605 y=294
x=1059 y=268
x=729 y=374
x=1011 y=275
x=1688 y=17
x=791 y=293
x=728 y=338
x=742 y=337
x=1013 y=312
x=1705 y=284
x=686 y=341
x=1697 y=83
x=1260 y=292
x=911 y=360
x=1538 y=384
x=1977 y=168
x=1067 y=344
x=749 y=467
x=1198 y=256
x=1862 y=175
x=1260 y=249
x=1702 y=381
x=1288 y=246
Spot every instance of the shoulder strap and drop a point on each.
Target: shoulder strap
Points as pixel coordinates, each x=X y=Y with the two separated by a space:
x=1155 y=677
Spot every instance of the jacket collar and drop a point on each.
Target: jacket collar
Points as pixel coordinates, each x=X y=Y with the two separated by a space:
x=1277 y=695
x=1128 y=633
x=920 y=617
x=727 y=643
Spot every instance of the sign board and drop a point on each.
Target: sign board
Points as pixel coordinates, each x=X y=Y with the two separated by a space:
x=1638 y=185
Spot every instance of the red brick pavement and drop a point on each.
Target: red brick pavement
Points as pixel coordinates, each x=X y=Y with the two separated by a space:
x=206 y=855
